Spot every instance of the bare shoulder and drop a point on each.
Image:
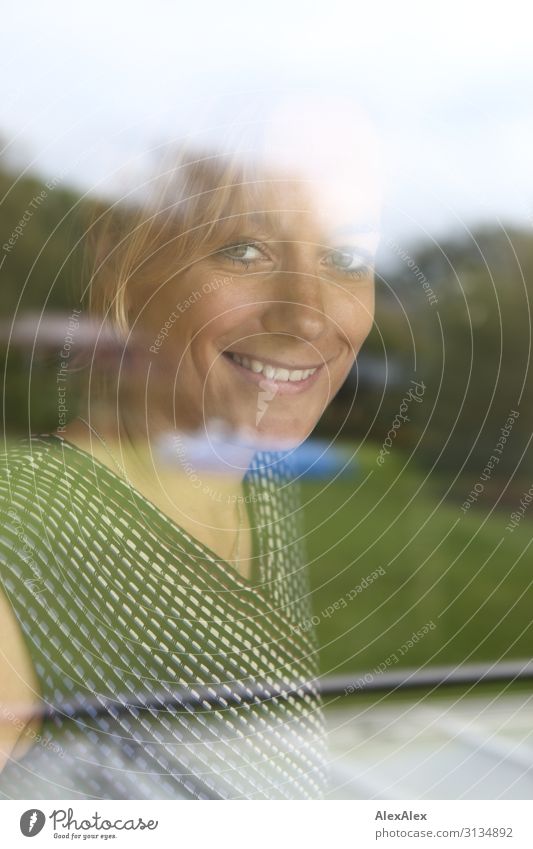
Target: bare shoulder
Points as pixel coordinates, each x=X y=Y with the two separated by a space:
x=19 y=689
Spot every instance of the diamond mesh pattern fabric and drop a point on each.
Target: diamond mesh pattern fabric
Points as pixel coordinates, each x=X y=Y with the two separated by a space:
x=117 y=603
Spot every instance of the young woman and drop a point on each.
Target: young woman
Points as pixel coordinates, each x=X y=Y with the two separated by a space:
x=155 y=614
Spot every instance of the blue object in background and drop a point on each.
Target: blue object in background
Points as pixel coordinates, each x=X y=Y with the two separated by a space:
x=318 y=458
x=313 y=459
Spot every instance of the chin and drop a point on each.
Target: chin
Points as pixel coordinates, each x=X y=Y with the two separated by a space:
x=281 y=437
x=263 y=428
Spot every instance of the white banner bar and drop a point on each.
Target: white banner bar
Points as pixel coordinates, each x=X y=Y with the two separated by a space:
x=269 y=825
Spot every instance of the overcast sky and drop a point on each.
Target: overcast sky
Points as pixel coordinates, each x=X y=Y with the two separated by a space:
x=89 y=87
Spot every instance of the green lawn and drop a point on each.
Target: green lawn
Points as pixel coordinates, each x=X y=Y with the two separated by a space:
x=463 y=576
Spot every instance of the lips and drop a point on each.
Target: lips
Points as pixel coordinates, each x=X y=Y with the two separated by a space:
x=282 y=379
x=281 y=374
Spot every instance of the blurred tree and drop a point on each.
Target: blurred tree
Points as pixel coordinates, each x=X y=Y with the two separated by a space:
x=479 y=371
x=471 y=348
x=42 y=225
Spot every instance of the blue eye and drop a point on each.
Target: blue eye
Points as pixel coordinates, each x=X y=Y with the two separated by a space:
x=350 y=261
x=244 y=253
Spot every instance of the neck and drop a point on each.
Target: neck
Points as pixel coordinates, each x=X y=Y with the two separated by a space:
x=202 y=473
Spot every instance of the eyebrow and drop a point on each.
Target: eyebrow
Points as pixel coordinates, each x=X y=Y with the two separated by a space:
x=260 y=219
x=265 y=219
x=359 y=228
x=267 y=225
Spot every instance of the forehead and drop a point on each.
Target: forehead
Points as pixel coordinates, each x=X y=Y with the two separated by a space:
x=325 y=207
x=318 y=212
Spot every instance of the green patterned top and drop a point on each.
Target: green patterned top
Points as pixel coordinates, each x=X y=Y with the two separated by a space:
x=122 y=610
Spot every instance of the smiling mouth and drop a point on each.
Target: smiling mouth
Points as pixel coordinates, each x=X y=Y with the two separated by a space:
x=280 y=374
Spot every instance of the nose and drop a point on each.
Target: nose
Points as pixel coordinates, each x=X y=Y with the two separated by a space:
x=295 y=305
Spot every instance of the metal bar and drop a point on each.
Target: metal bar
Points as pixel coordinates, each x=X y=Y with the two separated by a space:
x=193 y=699
x=435 y=676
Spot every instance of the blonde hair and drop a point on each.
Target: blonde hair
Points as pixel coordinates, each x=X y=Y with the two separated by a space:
x=198 y=196
x=187 y=210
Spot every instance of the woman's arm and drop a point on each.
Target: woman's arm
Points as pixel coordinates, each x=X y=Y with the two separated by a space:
x=19 y=691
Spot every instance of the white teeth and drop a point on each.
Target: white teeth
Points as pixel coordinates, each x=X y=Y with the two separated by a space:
x=271 y=372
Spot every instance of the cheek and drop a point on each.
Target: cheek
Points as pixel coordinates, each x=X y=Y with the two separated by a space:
x=202 y=319
x=226 y=316
x=365 y=314
x=354 y=315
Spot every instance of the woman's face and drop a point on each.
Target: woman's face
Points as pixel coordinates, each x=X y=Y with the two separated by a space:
x=263 y=330
x=263 y=326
